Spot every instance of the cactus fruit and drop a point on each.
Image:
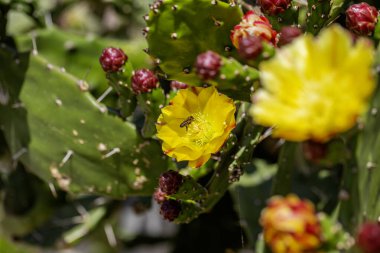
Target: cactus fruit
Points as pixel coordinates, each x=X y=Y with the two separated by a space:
x=172 y=26
x=144 y=80
x=361 y=18
x=112 y=59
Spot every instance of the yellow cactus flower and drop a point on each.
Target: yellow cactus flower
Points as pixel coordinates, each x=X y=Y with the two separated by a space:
x=291 y=225
x=195 y=124
x=315 y=88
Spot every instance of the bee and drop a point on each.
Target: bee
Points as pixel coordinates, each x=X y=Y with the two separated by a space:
x=187 y=122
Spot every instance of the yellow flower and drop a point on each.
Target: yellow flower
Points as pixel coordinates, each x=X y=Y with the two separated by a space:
x=315 y=88
x=195 y=124
x=291 y=225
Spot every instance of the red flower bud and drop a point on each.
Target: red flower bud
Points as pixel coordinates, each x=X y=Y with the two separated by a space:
x=368 y=238
x=112 y=59
x=170 y=209
x=314 y=151
x=159 y=196
x=361 y=18
x=176 y=85
x=170 y=182
x=208 y=65
x=288 y=34
x=274 y=7
x=253 y=24
x=250 y=47
x=144 y=80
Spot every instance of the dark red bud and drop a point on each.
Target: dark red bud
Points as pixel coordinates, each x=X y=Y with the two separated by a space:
x=208 y=65
x=170 y=209
x=250 y=47
x=144 y=80
x=112 y=59
x=170 y=182
x=361 y=18
x=159 y=196
x=288 y=34
x=368 y=238
x=314 y=151
x=274 y=7
x=176 y=85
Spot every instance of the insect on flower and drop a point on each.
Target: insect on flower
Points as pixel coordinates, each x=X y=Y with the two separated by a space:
x=187 y=122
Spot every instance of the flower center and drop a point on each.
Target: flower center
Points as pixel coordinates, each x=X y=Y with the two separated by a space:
x=199 y=130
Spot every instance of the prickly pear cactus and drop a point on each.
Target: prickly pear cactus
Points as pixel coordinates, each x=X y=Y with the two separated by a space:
x=177 y=31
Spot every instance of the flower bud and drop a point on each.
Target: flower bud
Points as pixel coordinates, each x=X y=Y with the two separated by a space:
x=144 y=80
x=176 y=85
x=361 y=18
x=170 y=182
x=250 y=47
x=288 y=34
x=314 y=151
x=253 y=24
x=208 y=65
x=112 y=59
x=368 y=238
x=274 y=7
x=159 y=196
x=170 y=209
x=291 y=225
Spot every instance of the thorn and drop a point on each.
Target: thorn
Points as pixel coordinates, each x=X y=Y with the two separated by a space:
x=49 y=66
x=52 y=189
x=174 y=36
x=111 y=153
x=34 y=44
x=146 y=17
x=174 y=7
x=58 y=102
x=227 y=48
x=62 y=69
x=19 y=153
x=68 y=155
x=105 y=94
x=111 y=238
x=214 y=2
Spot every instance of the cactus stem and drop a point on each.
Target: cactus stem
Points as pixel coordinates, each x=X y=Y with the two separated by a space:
x=104 y=95
x=111 y=153
x=67 y=157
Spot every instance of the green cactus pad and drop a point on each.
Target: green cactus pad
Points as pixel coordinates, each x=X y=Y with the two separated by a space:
x=179 y=30
x=73 y=142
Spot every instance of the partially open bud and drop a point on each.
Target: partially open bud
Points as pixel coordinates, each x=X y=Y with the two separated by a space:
x=274 y=7
x=144 y=80
x=170 y=182
x=176 y=85
x=291 y=225
x=253 y=25
x=170 y=209
x=361 y=18
x=112 y=59
x=250 y=47
x=208 y=65
x=368 y=238
x=288 y=34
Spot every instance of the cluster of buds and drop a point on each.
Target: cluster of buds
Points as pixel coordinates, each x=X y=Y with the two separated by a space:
x=291 y=225
x=143 y=81
x=368 y=238
x=112 y=59
x=169 y=184
x=252 y=25
x=361 y=18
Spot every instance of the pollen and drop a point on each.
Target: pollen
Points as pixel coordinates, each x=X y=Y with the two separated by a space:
x=200 y=130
